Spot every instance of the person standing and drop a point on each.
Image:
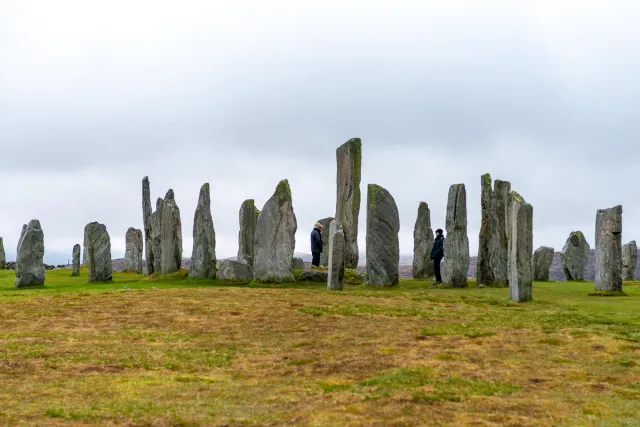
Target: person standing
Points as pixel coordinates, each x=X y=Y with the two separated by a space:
x=437 y=253
x=316 y=244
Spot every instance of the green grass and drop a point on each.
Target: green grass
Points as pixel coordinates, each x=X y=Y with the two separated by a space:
x=174 y=351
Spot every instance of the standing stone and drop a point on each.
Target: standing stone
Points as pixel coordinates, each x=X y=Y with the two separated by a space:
x=203 y=257
x=133 y=251
x=574 y=256
x=156 y=241
x=170 y=236
x=324 y=255
x=493 y=249
x=336 y=256
x=275 y=238
x=383 y=247
x=246 y=235
x=24 y=229
x=629 y=260
x=609 y=249
x=422 y=243
x=29 y=259
x=3 y=256
x=349 y=161
x=98 y=252
x=542 y=258
x=75 y=261
x=456 y=244
x=520 y=223
x=146 y=219
x=297 y=264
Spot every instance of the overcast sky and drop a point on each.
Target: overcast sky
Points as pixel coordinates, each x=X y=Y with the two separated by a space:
x=94 y=95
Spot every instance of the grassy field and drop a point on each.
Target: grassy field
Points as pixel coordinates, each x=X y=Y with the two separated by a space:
x=168 y=351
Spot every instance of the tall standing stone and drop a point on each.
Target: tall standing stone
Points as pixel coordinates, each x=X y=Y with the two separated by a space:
x=422 y=243
x=335 y=280
x=383 y=248
x=24 y=229
x=275 y=238
x=349 y=162
x=3 y=256
x=542 y=259
x=30 y=256
x=575 y=255
x=203 y=257
x=246 y=236
x=629 y=260
x=75 y=263
x=456 y=244
x=520 y=222
x=98 y=252
x=170 y=235
x=324 y=256
x=493 y=249
x=146 y=220
x=156 y=236
x=609 y=249
x=133 y=250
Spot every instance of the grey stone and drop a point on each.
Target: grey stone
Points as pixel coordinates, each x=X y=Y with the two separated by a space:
x=29 y=260
x=575 y=255
x=609 y=249
x=24 y=229
x=75 y=261
x=203 y=256
x=133 y=250
x=146 y=220
x=383 y=226
x=3 y=256
x=324 y=256
x=456 y=244
x=335 y=279
x=422 y=244
x=493 y=248
x=156 y=236
x=629 y=260
x=349 y=164
x=98 y=252
x=275 y=238
x=542 y=258
x=297 y=264
x=235 y=272
x=313 y=275
x=520 y=221
x=246 y=236
x=170 y=236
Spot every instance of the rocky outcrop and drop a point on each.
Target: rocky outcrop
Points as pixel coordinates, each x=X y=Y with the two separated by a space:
x=349 y=163
x=422 y=243
x=203 y=256
x=246 y=236
x=456 y=244
x=324 y=256
x=146 y=220
x=235 y=272
x=335 y=275
x=170 y=236
x=574 y=256
x=383 y=226
x=98 y=252
x=29 y=260
x=75 y=265
x=133 y=250
x=609 y=249
x=520 y=222
x=542 y=258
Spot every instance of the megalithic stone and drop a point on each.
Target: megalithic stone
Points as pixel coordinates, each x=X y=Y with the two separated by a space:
x=383 y=249
x=170 y=235
x=203 y=258
x=98 y=252
x=146 y=219
x=574 y=256
x=422 y=243
x=542 y=259
x=520 y=248
x=24 y=229
x=3 y=256
x=456 y=244
x=324 y=256
x=349 y=164
x=335 y=280
x=609 y=249
x=248 y=217
x=629 y=260
x=156 y=235
x=133 y=250
x=29 y=259
x=75 y=266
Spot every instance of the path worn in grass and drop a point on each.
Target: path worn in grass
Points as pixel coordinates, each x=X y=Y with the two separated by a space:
x=174 y=352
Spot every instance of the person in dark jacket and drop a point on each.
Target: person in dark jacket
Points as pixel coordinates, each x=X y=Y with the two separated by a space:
x=316 y=244
x=437 y=253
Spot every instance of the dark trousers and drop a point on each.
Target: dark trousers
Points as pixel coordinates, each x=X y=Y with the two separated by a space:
x=315 y=259
x=436 y=267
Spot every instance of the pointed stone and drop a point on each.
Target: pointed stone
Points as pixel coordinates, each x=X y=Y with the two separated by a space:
x=324 y=255
x=156 y=236
x=520 y=221
x=609 y=249
x=170 y=235
x=146 y=219
x=542 y=259
x=383 y=248
x=203 y=256
x=75 y=263
x=629 y=260
x=246 y=236
x=98 y=252
x=29 y=260
x=3 y=256
x=335 y=278
x=456 y=244
x=575 y=255
x=349 y=162
x=133 y=250
x=422 y=244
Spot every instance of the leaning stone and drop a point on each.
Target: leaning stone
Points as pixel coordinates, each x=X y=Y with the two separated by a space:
x=629 y=260
x=133 y=250
x=146 y=219
x=456 y=244
x=30 y=256
x=76 y=261
x=297 y=264
x=170 y=236
x=312 y=275
x=98 y=252
x=349 y=163
x=203 y=256
x=3 y=256
x=609 y=250
x=335 y=279
x=520 y=222
x=156 y=235
x=383 y=249
x=422 y=243
x=542 y=259
x=275 y=238
x=234 y=272
x=575 y=255
x=324 y=256
x=246 y=235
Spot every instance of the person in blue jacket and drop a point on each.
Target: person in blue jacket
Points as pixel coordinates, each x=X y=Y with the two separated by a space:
x=316 y=244
x=437 y=253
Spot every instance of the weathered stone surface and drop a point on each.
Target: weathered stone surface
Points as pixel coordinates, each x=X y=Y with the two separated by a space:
x=297 y=264
x=312 y=275
x=542 y=258
x=203 y=256
x=349 y=162
x=146 y=220
x=133 y=250
x=98 y=252
x=520 y=222
x=629 y=260
x=456 y=244
x=29 y=259
x=422 y=243
x=75 y=263
x=575 y=255
x=3 y=256
x=170 y=236
x=235 y=272
x=275 y=238
x=335 y=279
x=24 y=229
x=156 y=235
x=609 y=249
x=383 y=226
x=246 y=236
x=324 y=256
x=493 y=249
